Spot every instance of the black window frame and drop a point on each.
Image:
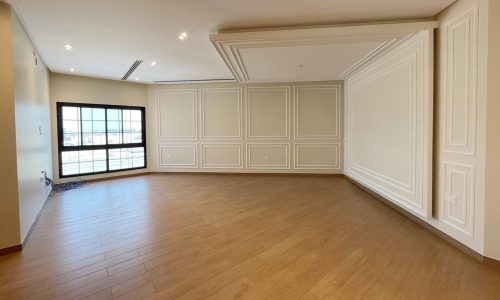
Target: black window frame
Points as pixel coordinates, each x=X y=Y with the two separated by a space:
x=60 y=137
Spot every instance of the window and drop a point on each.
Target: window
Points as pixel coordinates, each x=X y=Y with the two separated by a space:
x=96 y=139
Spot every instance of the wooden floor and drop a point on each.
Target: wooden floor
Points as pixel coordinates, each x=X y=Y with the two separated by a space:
x=230 y=236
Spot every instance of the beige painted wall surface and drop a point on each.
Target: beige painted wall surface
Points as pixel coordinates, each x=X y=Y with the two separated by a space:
x=31 y=83
x=79 y=89
x=9 y=212
x=263 y=128
x=492 y=207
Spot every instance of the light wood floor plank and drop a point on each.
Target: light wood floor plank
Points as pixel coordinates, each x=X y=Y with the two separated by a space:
x=185 y=236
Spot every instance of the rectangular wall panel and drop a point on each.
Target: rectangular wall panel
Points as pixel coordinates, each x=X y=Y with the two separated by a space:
x=222 y=156
x=268 y=156
x=459 y=196
x=459 y=94
x=389 y=121
x=268 y=112
x=317 y=112
x=178 y=155
x=221 y=111
x=317 y=156
x=176 y=115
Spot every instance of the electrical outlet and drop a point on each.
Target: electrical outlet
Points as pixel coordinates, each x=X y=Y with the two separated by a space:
x=43 y=176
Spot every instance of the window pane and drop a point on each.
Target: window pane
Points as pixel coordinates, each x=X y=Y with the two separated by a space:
x=99 y=133
x=70 y=169
x=87 y=139
x=70 y=113
x=83 y=162
x=126 y=115
x=87 y=126
x=87 y=113
x=126 y=158
x=135 y=115
x=114 y=114
x=98 y=114
x=71 y=133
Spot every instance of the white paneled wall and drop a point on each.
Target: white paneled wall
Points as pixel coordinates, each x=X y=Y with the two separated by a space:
x=389 y=124
x=461 y=102
x=277 y=128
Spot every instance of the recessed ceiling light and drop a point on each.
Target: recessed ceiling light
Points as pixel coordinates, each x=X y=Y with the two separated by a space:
x=183 y=36
x=72 y=70
x=153 y=63
x=68 y=47
x=137 y=78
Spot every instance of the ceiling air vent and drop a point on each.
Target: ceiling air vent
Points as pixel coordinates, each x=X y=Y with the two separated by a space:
x=197 y=80
x=132 y=69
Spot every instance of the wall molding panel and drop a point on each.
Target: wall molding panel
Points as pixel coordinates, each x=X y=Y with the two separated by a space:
x=330 y=105
x=178 y=156
x=460 y=73
x=247 y=128
x=389 y=124
x=227 y=128
x=267 y=121
x=268 y=156
x=224 y=156
x=317 y=156
x=177 y=114
x=459 y=182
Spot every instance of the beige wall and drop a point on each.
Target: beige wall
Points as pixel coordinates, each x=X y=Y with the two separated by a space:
x=79 y=89
x=31 y=83
x=389 y=124
x=9 y=212
x=267 y=128
x=492 y=205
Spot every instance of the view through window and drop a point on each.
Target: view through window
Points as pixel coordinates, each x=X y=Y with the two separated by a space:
x=97 y=139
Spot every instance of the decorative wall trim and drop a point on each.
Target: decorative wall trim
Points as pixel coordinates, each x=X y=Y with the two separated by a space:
x=193 y=164
x=205 y=165
x=335 y=146
x=203 y=92
x=285 y=89
x=336 y=88
x=245 y=154
x=270 y=166
x=414 y=53
x=462 y=202
x=159 y=116
x=469 y=22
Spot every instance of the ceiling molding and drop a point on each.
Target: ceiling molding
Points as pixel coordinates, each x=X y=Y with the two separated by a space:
x=229 y=44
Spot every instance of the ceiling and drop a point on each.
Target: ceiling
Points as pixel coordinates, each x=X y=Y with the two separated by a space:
x=108 y=36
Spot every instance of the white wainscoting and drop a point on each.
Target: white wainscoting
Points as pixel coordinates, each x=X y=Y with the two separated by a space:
x=389 y=124
x=178 y=155
x=221 y=156
x=278 y=128
x=460 y=192
x=317 y=156
x=177 y=115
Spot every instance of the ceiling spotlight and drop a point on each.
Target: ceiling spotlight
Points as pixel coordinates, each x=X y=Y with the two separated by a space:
x=72 y=70
x=153 y=63
x=183 y=36
x=68 y=47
